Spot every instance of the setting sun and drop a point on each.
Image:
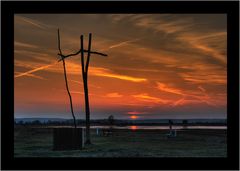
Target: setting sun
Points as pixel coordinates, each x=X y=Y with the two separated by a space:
x=138 y=78
x=133 y=117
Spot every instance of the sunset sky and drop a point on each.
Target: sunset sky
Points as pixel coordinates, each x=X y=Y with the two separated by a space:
x=158 y=65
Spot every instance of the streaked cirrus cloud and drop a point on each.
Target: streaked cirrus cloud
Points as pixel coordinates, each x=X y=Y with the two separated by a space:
x=167 y=65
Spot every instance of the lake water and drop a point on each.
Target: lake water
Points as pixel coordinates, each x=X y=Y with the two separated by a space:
x=163 y=127
x=133 y=127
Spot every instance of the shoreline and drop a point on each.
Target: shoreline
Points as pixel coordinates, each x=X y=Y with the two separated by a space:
x=131 y=127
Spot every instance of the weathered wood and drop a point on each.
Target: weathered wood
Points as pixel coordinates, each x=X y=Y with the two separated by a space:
x=82 y=55
x=84 y=77
x=88 y=141
x=68 y=139
x=89 y=52
x=74 y=54
x=66 y=81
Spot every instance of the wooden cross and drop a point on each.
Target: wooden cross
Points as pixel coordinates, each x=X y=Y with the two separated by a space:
x=84 y=77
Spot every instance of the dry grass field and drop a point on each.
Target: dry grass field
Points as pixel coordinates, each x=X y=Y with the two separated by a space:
x=37 y=142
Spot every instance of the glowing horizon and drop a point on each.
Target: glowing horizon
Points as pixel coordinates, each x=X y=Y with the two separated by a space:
x=158 y=65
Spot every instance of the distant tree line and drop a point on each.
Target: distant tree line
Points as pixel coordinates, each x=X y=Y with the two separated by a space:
x=111 y=121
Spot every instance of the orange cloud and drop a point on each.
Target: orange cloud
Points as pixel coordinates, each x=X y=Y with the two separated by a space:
x=202 y=89
x=24 y=45
x=198 y=78
x=213 y=52
x=178 y=102
x=103 y=72
x=135 y=113
x=189 y=97
x=32 y=22
x=73 y=68
x=123 y=43
x=147 y=98
x=114 y=95
x=163 y=25
x=121 y=77
x=197 y=100
x=79 y=82
x=204 y=73
x=34 y=70
x=31 y=75
x=77 y=92
x=196 y=97
x=212 y=44
x=184 y=101
x=164 y=87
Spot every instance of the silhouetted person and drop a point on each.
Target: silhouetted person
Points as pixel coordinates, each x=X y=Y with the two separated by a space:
x=170 y=125
x=172 y=133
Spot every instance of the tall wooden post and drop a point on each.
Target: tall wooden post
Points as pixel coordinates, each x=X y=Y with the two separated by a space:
x=84 y=77
x=66 y=80
x=85 y=85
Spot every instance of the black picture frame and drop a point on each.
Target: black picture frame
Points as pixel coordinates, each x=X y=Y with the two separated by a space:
x=9 y=8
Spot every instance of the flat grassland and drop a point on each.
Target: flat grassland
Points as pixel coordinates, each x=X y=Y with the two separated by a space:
x=37 y=142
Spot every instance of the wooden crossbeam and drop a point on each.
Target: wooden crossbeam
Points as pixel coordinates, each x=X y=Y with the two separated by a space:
x=74 y=54
x=84 y=77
